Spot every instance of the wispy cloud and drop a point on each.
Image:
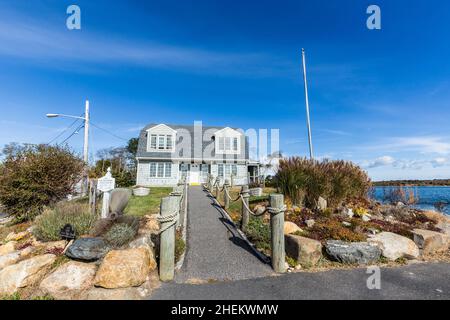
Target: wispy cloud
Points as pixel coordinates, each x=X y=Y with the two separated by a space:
x=379 y=162
x=36 y=41
x=404 y=164
x=420 y=144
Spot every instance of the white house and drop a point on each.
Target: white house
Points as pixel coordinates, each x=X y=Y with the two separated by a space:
x=167 y=153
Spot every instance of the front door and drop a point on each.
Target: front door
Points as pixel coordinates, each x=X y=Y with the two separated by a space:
x=194 y=174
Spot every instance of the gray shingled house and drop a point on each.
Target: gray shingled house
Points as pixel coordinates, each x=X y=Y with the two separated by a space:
x=167 y=153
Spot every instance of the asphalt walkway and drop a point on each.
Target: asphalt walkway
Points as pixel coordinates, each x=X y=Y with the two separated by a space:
x=215 y=250
x=420 y=281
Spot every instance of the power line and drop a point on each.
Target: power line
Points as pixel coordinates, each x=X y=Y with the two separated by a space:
x=64 y=131
x=73 y=133
x=108 y=132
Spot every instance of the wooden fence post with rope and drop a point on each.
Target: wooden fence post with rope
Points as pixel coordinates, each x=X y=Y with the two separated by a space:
x=245 y=212
x=226 y=200
x=168 y=218
x=276 y=211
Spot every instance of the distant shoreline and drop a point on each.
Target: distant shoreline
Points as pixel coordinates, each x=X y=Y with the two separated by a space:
x=413 y=183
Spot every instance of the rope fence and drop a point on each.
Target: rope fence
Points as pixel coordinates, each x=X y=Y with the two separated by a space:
x=276 y=210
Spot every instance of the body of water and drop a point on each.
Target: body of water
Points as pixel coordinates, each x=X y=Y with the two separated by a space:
x=426 y=196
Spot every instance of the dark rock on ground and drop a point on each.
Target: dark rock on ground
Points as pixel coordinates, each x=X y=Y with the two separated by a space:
x=87 y=249
x=352 y=252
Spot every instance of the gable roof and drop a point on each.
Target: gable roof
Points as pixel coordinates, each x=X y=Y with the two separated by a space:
x=206 y=141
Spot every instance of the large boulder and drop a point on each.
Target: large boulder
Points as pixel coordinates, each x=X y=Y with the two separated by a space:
x=55 y=245
x=352 y=252
x=394 y=246
x=149 y=224
x=69 y=281
x=9 y=259
x=305 y=251
x=146 y=243
x=8 y=248
x=25 y=273
x=113 y=294
x=124 y=268
x=431 y=241
x=12 y=236
x=290 y=227
x=87 y=249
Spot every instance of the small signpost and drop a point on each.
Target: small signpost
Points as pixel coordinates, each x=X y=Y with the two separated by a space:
x=67 y=232
x=106 y=184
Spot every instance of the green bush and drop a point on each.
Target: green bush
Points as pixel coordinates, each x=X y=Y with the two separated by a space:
x=258 y=233
x=304 y=181
x=35 y=176
x=120 y=234
x=48 y=225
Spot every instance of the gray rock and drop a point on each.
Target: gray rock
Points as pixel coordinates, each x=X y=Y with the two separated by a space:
x=366 y=218
x=321 y=203
x=352 y=252
x=346 y=224
x=310 y=223
x=119 y=201
x=87 y=249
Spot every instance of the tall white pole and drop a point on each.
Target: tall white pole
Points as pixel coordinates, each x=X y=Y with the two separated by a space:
x=85 y=180
x=308 y=122
x=86 y=134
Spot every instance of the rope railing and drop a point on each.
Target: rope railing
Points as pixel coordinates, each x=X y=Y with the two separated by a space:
x=276 y=210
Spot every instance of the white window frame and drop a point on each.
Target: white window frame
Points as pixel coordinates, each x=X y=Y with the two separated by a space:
x=228 y=141
x=160 y=170
x=161 y=138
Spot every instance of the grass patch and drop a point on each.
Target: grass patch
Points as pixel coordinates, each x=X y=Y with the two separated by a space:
x=258 y=233
x=180 y=245
x=141 y=206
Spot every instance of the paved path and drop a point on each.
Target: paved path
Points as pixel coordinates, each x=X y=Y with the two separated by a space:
x=215 y=251
x=418 y=281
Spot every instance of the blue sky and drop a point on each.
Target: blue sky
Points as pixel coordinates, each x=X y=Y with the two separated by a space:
x=378 y=97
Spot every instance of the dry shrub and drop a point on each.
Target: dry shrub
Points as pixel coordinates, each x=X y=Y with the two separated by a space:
x=35 y=176
x=304 y=181
x=400 y=194
x=48 y=225
x=333 y=229
x=120 y=234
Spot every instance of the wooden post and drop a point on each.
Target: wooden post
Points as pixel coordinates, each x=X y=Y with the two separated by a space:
x=226 y=200
x=277 y=230
x=167 y=241
x=245 y=214
x=177 y=193
x=93 y=197
x=217 y=189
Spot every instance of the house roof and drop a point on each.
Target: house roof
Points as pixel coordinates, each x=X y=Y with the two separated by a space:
x=207 y=134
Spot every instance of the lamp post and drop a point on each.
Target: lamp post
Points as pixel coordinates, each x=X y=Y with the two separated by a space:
x=86 y=137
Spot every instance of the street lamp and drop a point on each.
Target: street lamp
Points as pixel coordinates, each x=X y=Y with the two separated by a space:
x=86 y=127
x=86 y=135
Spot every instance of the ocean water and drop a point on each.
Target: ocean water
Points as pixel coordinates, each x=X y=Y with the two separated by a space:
x=427 y=196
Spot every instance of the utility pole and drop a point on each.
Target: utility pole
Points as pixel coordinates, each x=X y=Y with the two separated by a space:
x=86 y=134
x=308 y=122
x=84 y=182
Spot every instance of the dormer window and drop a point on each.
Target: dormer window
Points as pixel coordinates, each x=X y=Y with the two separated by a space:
x=161 y=138
x=228 y=144
x=228 y=141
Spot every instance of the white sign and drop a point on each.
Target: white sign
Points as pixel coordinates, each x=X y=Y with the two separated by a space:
x=106 y=183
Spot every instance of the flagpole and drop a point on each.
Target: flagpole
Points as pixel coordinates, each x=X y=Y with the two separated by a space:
x=308 y=122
